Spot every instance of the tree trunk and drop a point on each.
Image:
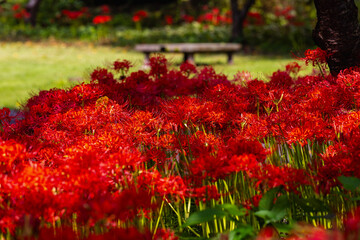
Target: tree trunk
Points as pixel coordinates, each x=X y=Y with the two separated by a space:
x=32 y=7
x=337 y=31
x=238 y=18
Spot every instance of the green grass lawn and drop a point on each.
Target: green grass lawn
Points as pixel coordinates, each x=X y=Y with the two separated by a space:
x=26 y=68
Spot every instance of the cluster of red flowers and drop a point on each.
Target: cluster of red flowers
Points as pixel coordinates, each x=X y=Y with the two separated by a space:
x=104 y=155
x=101 y=19
x=104 y=17
x=315 y=56
x=139 y=15
x=212 y=16
x=215 y=17
x=84 y=13
x=72 y=15
x=254 y=18
x=105 y=9
x=169 y=20
x=287 y=13
x=19 y=12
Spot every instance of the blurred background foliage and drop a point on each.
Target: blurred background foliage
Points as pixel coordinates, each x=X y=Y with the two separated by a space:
x=272 y=26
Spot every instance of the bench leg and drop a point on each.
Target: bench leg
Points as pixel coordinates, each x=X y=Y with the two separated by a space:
x=230 y=60
x=189 y=57
x=147 y=59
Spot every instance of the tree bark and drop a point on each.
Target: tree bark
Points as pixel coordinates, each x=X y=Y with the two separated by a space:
x=238 y=18
x=32 y=7
x=337 y=31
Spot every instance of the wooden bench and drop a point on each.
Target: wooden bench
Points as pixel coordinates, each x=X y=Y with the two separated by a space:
x=189 y=49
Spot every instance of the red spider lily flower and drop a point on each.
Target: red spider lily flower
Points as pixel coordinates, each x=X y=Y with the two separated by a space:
x=288 y=177
x=242 y=77
x=136 y=18
x=346 y=123
x=139 y=15
x=16 y=7
x=253 y=202
x=255 y=18
x=280 y=80
x=286 y=12
x=188 y=18
x=214 y=17
x=102 y=75
x=215 y=11
x=267 y=233
x=11 y=154
x=352 y=224
x=169 y=20
x=315 y=56
x=158 y=65
x=19 y=12
x=166 y=234
x=21 y=15
x=293 y=68
x=101 y=19
x=340 y=159
x=188 y=68
x=228 y=18
x=240 y=146
x=207 y=17
x=72 y=14
x=105 y=9
x=174 y=83
x=124 y=65
x=204 y=193
x=209 y=73
x=348 y=87
x=163 y=186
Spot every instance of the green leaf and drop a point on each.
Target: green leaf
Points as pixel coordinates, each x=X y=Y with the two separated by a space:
x=267 y=200
x=277 y=212
x=203 y=216
x=264 y=214
x=282 y=227
x=243 y=232
x=280 y=208
x=350 y=183
x=232 y=209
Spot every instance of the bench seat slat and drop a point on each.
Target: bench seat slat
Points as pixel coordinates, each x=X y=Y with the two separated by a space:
x=189 y=47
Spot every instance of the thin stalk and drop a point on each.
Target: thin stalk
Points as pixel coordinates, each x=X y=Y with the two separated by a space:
x=178 y=215
x=159 y=217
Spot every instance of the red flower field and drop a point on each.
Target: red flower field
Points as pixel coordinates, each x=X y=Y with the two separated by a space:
x=138 y=156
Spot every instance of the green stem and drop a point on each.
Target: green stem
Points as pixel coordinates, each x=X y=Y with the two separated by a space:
x=158 y=220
